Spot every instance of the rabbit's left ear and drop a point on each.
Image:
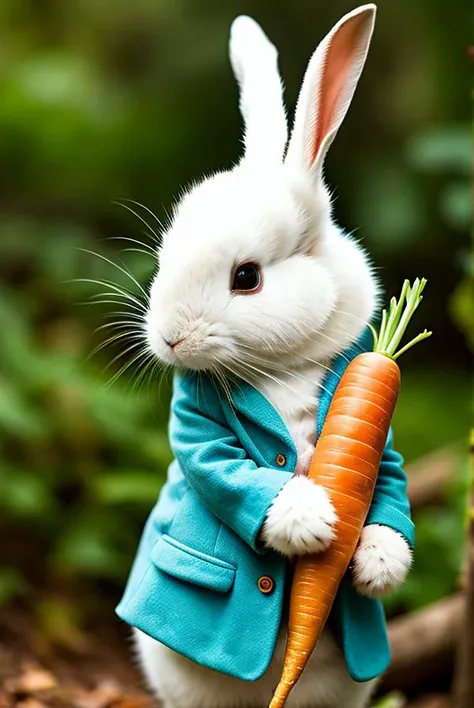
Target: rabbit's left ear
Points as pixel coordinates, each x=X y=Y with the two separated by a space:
x=254 y=61
x=328 y=87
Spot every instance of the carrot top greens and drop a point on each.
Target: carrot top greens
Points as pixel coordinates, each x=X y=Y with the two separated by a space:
x=395 y=321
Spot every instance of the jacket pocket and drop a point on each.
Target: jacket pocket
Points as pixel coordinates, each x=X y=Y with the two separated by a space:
x=185 y=563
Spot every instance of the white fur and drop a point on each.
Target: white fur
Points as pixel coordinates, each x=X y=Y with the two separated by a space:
x=318 y=294
x=381 y=561
x=301 y=519
x=311 y=104
x=180 y=683
x=254 y=61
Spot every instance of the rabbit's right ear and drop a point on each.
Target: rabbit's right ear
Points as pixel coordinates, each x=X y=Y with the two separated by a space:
x=254 y=61
x=328 y=87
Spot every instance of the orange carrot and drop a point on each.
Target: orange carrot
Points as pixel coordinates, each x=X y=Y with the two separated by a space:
x=346 y=462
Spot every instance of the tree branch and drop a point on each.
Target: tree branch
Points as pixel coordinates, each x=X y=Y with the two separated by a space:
x=424 y=642
x=464 y=685
x=429 y=477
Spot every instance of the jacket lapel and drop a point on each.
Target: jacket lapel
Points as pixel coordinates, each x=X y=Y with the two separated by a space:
x=259 y=422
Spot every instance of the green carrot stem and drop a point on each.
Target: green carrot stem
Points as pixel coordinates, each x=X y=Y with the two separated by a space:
x=404 y=314
x=397 y=308
x=423 y=335
x=375 y=336
x=394 y=323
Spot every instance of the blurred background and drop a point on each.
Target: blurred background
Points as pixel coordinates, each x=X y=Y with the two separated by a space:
x=105 y=101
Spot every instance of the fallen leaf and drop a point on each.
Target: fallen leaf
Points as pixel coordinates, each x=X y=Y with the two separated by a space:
x=106 y=693
x=33 y=679
x=4 y=700
x=134 y=700
x=59 y=623
x=30 y=703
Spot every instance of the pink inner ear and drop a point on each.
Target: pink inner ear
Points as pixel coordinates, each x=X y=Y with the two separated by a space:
x=339 y=58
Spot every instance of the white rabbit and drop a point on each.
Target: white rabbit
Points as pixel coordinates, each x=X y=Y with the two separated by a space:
x=266 y=227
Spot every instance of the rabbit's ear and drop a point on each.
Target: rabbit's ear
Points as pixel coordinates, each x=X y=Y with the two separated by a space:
x=328 y=87
x=254 y=61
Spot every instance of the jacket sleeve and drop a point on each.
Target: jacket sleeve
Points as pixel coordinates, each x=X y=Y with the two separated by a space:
x=231 y=485
x=390 y=505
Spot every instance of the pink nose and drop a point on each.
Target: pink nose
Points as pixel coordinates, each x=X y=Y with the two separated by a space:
x=174 y=344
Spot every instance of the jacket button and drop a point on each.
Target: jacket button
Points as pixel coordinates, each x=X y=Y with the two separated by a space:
x=266 y=584
x=280 y=460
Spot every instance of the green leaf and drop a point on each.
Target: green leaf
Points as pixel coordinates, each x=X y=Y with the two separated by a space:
x=12 y=584
x=24 y=493
x=127 y=487
x=423 y=420
x=456 y=204
x=90 y=545
x=18 y=416
x=389 y=204
x=462 y=307
x=60 y=620
x=442 y=150
x=440 y=536
x=393 y=700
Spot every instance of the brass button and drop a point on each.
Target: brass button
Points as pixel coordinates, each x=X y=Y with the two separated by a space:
x=280 y=460
x=265 y=584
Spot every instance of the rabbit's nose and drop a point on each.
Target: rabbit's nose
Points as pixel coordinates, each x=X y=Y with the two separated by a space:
x=174 y=343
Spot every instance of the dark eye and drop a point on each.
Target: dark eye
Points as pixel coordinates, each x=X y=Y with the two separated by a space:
x=247 y=277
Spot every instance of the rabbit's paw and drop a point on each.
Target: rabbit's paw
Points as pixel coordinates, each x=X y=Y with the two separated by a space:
x=381 y=562
x=301 y=519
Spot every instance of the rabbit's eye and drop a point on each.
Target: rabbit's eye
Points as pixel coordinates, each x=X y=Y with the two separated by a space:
x=247 y=278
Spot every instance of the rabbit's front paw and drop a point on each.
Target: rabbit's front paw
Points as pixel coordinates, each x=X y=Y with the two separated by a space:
x=301 y=519
x=381 y=562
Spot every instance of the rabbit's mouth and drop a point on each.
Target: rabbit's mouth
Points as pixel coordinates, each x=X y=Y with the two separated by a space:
x=191 y=351
x=195 y=345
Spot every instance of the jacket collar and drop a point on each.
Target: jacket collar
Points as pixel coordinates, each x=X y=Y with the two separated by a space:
x=254 y=406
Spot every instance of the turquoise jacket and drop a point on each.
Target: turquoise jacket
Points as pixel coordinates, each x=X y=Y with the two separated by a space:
x=194 y=585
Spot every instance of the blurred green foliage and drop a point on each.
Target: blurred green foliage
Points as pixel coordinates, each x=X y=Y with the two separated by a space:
x=102 y=101
x=78 y=458
x=393 y=700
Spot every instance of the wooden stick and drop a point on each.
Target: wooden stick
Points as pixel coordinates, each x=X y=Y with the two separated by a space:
x=424 y=642
x=429 y=477
x=464 y=683
x=432 y=701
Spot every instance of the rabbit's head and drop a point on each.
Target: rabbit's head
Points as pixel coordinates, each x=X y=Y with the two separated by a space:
x=252 y=269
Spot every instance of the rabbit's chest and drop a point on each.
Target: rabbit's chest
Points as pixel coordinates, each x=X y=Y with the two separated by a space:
x=296 y=400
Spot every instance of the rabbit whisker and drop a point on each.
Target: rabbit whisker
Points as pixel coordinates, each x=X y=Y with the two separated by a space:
x=110 y=340
x=156 y=237
x=120 y=268
x=145 y=248
x=118 y=324
x=116 y=291
x=152 y=213
x=148 y=363
x=223 y=382
x=261 y=372
x=292 y=374
x=129 y=313
x=126 y=366
x=350 y=314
